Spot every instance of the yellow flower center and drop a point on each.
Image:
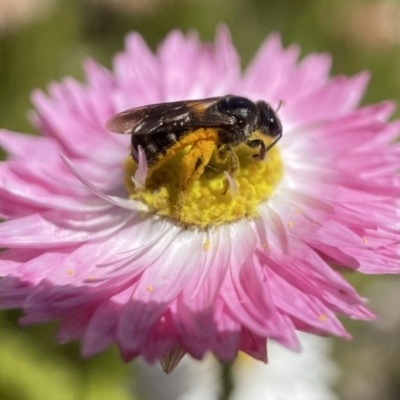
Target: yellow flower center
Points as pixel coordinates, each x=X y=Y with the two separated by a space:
x=204 y=204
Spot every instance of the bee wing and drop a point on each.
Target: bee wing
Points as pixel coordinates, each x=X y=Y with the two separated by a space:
x=167 y=117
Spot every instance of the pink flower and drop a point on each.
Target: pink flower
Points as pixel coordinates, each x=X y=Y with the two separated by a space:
x=80 y=249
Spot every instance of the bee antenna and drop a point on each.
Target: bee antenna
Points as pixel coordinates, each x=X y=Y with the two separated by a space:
x=281 y=103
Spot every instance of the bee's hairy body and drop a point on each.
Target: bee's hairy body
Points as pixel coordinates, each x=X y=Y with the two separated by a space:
x=215 y=124
x=160 y=148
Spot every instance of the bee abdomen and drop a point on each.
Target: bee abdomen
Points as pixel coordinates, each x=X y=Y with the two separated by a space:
x=154 y=146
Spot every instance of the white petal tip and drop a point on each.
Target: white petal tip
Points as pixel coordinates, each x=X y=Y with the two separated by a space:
x=233 y=186
x=139 y=179
x=138 y=184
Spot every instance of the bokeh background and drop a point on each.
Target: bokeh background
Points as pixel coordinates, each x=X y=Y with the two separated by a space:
x=44 y=40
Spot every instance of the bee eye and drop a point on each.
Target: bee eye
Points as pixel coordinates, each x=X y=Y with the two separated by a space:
x=268 y=122
x=274 y=126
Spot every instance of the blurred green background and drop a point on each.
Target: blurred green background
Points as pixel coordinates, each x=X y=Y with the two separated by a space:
x=44 y=40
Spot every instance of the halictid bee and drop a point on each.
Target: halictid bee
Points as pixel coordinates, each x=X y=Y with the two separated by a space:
x=217 y=123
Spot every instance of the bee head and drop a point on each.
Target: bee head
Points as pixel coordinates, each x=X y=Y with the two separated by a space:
x=242 y=109
x=268 y=122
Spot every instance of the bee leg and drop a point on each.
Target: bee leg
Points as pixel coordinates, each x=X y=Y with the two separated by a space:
x=193 y=164
x=257 y=143
x=227 y=154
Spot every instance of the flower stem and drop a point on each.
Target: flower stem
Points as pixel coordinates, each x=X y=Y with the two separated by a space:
x=227 y=381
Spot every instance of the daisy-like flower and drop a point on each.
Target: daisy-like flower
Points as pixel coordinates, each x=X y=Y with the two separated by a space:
x=94 y=244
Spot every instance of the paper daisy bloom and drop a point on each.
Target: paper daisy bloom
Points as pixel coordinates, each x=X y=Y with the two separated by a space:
x=94 y=240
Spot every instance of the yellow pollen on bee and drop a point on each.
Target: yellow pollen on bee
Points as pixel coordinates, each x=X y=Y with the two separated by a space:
x=149 y=288
x=204 y=204
x=290 y=224
x=70 y=272
x=323 y=317
x=206 y=244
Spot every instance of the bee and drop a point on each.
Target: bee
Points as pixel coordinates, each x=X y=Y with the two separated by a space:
x=214 y=124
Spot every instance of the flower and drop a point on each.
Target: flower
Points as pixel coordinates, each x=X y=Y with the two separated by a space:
x=85 y=247
x=296 y=376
